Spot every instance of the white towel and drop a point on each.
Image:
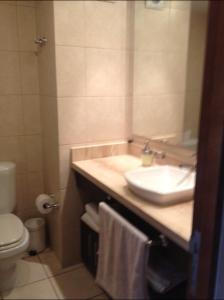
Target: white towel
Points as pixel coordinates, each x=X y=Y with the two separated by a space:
x=92 y=209
x=123 y=257
x=87 y=219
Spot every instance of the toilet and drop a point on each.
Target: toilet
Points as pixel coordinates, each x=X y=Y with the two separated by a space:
x=14 y=237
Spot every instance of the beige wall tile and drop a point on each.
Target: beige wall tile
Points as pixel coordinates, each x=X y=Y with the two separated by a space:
x=72 y=118
x=192 y=111
x=50 y=143
x=160 y=66
x=11 y=119
x=29 y=70
x=182 y=5
x=50 y=165
x=21 y=195
x=69 y=23
x=49 y=117
x=113 y=16
x=12 y=149
x=71 y=209
x=47 y=71
x=20 y=115
x=158 y=115
x=3 y=2
x=27 y=3
x=98 y=150
x=65 y=166
x=105 y=73
x=70 y=71
x=34 y=188
x=45 y=20
x=198 y=29
x=153 y=73
x=201 y=6
x=179 y=25
x=151 y=30
x=31 y=111
x=8 y=28
x=34 y=153
x=9 y=73
x=27 y=28
x=106 y=119
x=195 y=69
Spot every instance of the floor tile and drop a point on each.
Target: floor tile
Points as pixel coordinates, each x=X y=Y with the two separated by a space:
x=52 y=265
x=29 y=270
x=76 y=284
x=37 y=290
x=102 y=296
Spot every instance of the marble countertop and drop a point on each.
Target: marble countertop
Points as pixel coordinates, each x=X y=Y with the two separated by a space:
x=174 y=221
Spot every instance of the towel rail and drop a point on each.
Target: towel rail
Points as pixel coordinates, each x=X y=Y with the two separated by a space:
x=162 y=241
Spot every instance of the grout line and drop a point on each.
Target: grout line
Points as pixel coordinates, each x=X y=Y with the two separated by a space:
x=76 y=267
x=26 y=284
x=17 y=50
x=42 y=265
x=63 y=271
x=54 y=289
x=94 y=47
x=96 y=296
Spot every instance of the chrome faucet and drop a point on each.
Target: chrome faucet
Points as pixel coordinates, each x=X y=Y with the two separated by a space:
x=155 y=153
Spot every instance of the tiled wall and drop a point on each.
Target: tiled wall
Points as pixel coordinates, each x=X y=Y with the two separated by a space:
x=160 y=67
x=20 y=126
x=195 y=67
x=169 y=46
x=92 y=54
x=49 y=118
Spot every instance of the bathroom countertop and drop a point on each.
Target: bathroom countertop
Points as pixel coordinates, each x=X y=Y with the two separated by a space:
x=173 y=221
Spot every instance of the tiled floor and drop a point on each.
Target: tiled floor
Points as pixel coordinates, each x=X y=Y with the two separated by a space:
x=41 y=277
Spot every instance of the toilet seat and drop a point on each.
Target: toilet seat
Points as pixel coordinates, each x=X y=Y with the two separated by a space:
x=14 y=237
x=11 y=231
x=17 y=249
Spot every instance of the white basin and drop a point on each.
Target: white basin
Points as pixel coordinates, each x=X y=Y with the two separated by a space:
x=162 y=184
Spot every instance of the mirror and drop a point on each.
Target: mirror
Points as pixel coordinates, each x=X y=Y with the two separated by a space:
x=168 y=62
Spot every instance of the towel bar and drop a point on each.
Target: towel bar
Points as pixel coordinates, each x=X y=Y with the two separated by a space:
x=162 y=241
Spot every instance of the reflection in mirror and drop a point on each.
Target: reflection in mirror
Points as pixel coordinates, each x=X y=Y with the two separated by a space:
x=168 y=62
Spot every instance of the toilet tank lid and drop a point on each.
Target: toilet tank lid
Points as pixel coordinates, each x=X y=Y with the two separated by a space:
x=11 y=229
x=6 y=165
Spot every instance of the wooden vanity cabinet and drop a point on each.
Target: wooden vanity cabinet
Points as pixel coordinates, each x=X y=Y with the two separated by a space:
x=89 y=192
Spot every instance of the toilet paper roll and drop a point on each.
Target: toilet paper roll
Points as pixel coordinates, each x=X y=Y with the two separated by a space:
x=41 y=200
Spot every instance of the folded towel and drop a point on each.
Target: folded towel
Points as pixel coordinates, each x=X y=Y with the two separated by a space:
x=123 y=256
x=92 y=209
x=87 y=219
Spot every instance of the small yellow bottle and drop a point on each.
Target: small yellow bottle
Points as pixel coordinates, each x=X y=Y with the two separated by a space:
x=147 y=156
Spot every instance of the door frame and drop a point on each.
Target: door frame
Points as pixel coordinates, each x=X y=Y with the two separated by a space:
x=208 y=204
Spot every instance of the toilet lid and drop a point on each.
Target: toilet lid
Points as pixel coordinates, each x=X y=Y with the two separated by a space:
x=11 y=229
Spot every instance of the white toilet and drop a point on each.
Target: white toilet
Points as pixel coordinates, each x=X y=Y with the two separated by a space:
x=14 y=237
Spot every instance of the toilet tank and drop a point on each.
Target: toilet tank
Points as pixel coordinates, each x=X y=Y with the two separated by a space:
x=7 y=186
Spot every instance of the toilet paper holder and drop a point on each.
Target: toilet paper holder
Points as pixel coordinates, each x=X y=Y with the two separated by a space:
x=51 y=205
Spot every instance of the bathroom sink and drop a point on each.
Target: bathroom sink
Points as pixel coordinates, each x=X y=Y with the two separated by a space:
x=163 y=185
